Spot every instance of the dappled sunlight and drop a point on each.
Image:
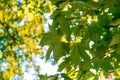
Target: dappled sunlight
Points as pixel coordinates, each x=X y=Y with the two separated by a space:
x=59 y=39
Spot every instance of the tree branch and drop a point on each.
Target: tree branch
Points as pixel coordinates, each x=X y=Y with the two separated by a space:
x=7 y=30
x=96 y=57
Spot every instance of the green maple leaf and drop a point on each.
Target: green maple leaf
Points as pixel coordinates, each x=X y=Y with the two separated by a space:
x=53 y=40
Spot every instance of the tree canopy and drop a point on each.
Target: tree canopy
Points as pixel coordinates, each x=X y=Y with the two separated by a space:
x=84 y=36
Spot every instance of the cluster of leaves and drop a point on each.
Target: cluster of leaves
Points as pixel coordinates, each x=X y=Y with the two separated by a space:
x=21 y=27
x=84 y=34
